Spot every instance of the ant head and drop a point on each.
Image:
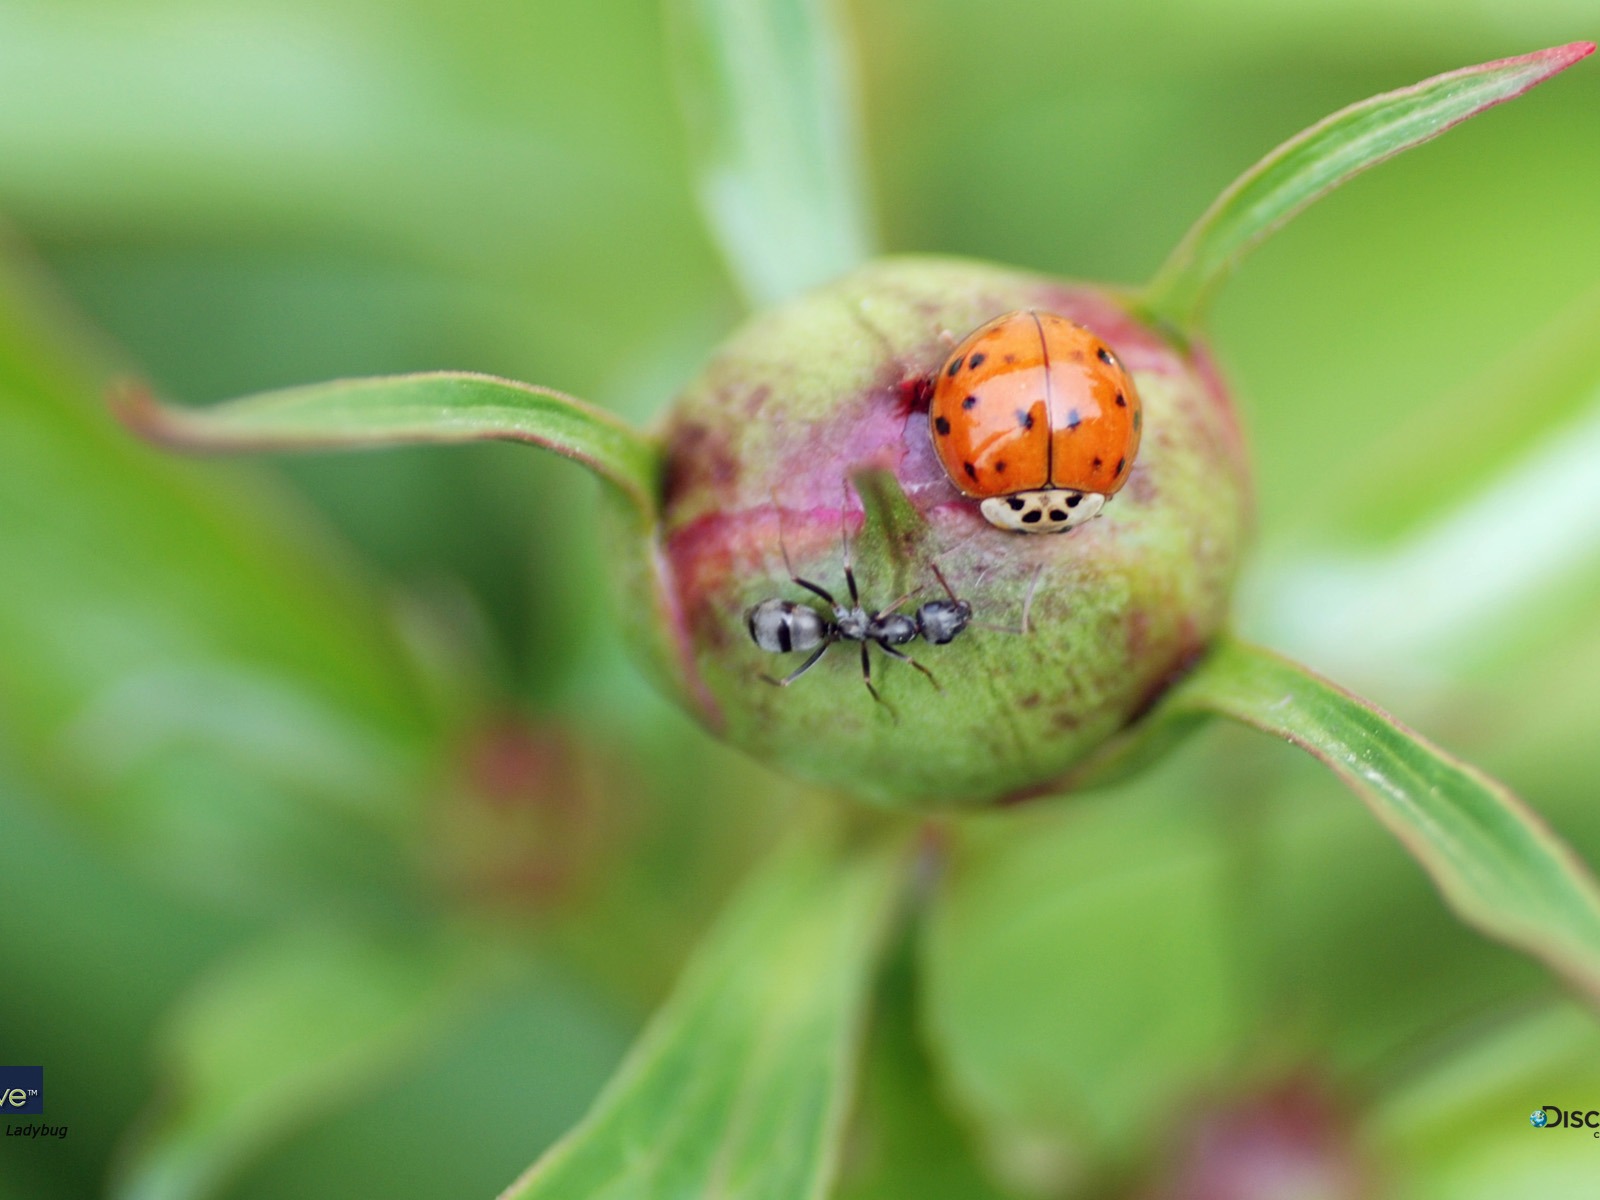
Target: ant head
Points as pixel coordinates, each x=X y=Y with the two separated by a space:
x=940 y=621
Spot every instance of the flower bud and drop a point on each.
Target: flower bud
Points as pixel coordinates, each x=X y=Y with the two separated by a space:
x=806 y=443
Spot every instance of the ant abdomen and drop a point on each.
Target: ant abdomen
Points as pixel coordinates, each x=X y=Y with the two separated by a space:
x=779 y=626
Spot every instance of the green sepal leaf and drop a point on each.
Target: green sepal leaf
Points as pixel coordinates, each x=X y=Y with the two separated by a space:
x=892 y=530
x=769 y=102
x=399 y=410
x=1494 y=861
x=278 y=1036
x=741 y=1083
x=1314 y=162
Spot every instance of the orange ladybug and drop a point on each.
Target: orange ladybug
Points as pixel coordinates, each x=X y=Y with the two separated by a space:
x=1034 y=415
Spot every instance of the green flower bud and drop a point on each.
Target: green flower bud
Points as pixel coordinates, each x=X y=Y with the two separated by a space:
x=762 y=454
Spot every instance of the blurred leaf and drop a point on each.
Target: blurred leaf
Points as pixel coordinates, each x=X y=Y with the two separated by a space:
x=1496 y=864
x=451 y=1121
x=282 y=1033
x=141 y=593
x=904 y=1141
x=1079 y=976
x=1509 y=466
x=741 y=1084
x=1429 y=597
x=1316 y=161
x=437 y=407
x=767 y=91
x=1458 y=1128
x=1536 y=390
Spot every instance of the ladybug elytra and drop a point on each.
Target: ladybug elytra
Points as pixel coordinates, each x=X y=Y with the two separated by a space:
x=1034 y=415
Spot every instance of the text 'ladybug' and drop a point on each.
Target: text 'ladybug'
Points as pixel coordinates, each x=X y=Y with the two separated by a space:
x=1034 y=415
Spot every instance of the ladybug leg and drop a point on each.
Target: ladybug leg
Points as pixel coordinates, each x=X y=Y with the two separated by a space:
x=904 y=657
x=801 y=669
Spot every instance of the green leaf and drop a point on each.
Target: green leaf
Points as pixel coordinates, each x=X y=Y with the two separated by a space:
x=1080 y=973
x=904 y=1140
x=1494 y=861
x=767 y=93
x=273 y=1040
x=1458 y=1127
x=166 y=632
x=397 y=410
x=1316 y=161
x=740 y=1086
x=1510 y=464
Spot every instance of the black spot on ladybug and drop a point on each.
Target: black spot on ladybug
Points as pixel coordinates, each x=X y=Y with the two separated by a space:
x=1097 y=464
x=1121 y=462
x=1057 y=515
x=785 y=641
x=1105 y=356
x=941 y=424
x=1073 y=419
x=976 y=361
x=1025 y=419
x=970 y=403
x=1032 y=518
x=1138 y=420
x=1074 y=501
x=1016 y=503
x=1000 y=467
x=1122 y=401
x=954 y=367
x=972 y=471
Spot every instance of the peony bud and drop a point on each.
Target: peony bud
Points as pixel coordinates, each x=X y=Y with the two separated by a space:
x=814 y=404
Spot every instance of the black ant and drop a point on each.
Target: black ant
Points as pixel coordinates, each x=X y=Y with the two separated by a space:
x=781 y=626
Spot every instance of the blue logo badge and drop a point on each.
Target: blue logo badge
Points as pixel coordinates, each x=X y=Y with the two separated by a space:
x=21 y=1090
x=1538 y=1118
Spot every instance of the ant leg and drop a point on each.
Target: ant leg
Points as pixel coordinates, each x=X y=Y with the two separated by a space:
x=866 y=673
x=789 y=566
x=903 y=657
x=801 y=669
x=812 y=587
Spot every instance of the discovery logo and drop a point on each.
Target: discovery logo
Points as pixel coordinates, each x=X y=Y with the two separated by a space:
x=1552 y=1116
x=21 y=1090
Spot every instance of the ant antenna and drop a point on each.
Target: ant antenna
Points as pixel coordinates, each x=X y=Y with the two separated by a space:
x=1027 y=600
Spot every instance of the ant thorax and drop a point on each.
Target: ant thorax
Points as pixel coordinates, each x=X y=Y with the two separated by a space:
x=854 y=624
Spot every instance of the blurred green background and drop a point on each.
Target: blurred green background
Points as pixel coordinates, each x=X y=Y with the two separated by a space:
x=342 y=854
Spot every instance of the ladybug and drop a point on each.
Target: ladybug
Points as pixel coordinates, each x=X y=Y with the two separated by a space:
x=1034 y=415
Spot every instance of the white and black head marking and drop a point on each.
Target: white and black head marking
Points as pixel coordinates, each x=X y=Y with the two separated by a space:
x=1050 y=510
x=781 y=626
